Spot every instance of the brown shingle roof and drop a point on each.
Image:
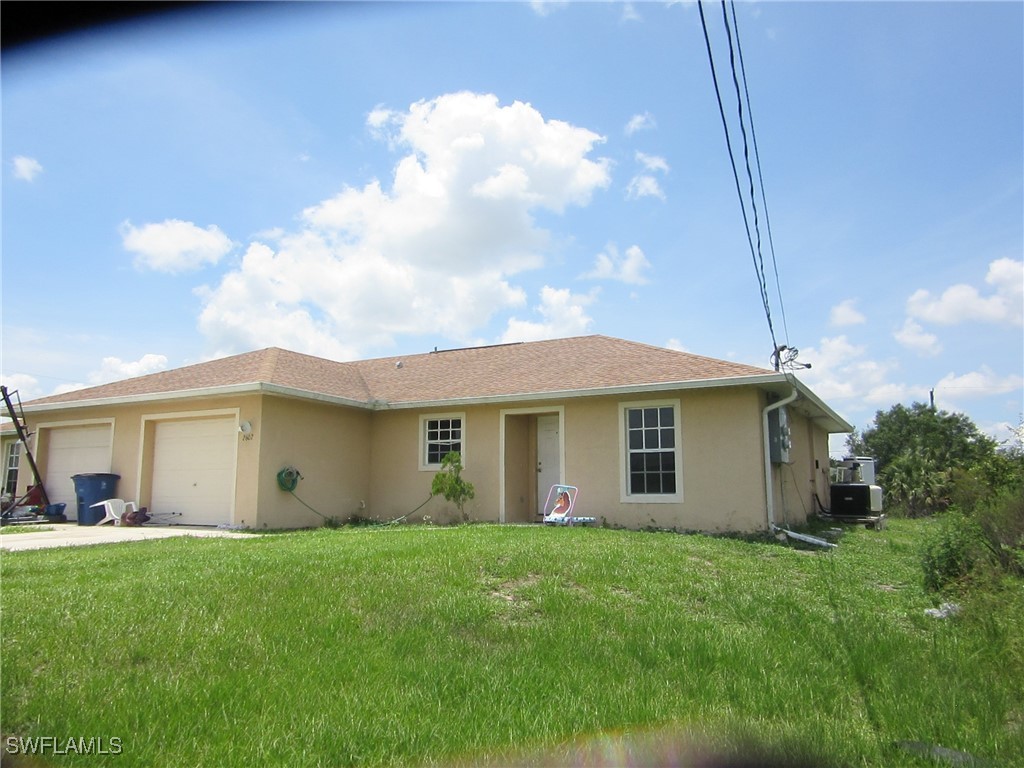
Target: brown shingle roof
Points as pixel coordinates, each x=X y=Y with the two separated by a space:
x=559 y=365
x=266 y=366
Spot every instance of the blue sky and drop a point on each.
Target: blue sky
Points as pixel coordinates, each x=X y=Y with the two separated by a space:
x=364 y=180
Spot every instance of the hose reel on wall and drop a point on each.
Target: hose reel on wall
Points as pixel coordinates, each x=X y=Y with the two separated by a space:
x=288 y=480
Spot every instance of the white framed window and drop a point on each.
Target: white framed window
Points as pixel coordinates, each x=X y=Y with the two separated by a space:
x=11 y=463
x=651 y=452
x=441 y=434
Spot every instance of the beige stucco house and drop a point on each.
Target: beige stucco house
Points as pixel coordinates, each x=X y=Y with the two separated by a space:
x=650 y=436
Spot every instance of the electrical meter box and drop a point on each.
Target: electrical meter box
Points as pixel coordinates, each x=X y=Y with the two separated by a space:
x=778 y=436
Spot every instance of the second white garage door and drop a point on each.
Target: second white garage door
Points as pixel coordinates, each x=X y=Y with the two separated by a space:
x=73 y=451
x=194 y=471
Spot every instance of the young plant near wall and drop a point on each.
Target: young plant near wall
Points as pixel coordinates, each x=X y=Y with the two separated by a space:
x=448 y=482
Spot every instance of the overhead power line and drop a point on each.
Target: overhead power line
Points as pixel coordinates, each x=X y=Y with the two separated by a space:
x=760 y=176
x=753 y=237
x=759 y=259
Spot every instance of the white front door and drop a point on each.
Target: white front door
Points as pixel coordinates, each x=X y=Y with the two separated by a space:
x=549 y=464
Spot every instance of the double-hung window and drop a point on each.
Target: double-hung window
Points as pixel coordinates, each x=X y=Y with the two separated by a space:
x=652 y=466
x=441 y=434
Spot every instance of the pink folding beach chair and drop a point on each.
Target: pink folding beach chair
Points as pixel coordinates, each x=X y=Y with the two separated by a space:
x=558 y=509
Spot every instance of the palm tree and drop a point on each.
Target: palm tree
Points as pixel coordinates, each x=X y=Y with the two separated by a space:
x=915 y=481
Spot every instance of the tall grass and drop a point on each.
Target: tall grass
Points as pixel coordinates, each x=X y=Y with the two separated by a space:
x=463 y=645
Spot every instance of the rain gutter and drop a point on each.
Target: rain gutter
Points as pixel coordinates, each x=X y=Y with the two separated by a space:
x=768 y=490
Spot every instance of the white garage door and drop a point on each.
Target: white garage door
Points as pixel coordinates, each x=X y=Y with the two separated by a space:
x=194 y=471
x=73 y=451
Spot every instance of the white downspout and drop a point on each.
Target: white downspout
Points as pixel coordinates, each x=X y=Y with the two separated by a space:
x=769 y=491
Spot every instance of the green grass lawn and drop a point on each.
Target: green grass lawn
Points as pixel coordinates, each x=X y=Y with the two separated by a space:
x=486 y=644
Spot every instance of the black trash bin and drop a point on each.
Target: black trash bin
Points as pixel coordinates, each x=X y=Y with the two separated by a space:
x=92 y=488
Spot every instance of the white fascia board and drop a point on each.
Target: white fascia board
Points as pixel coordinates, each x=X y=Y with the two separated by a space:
x=563 y=394
x=180 y=394
x=252 y=388
x=305 y=394
x=832 y=421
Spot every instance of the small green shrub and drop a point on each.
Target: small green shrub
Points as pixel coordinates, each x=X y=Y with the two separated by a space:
x=448 y=482
x=999 y=475
x=992 y=535
x=951 y=552
x=1001 y=524
x=968 y=489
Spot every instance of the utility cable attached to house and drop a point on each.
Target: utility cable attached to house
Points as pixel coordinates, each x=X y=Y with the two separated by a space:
x=735 y=171
x=760 y=176
x=762 y=282
x=781 y=363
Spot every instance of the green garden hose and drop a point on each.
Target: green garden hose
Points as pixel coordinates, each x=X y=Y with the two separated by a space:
x=287 y=480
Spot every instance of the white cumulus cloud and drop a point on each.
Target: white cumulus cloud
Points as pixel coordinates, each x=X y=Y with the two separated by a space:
x=848 y=379
x=115 y=369
x=26 y=168
x=912 y=336
x=845 y=313
x=546 y=7
x=640 y=122
x=959 y=392
x=644 y=186
x=1003 y=304
x=843 y=372
x=627 y=268
x=25 y=385
x=174 y=246
x=652 y=162
x=976 y=384
x=562 y=312
x=433 y=249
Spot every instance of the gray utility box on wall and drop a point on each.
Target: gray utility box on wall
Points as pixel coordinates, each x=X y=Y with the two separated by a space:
x=778 y=436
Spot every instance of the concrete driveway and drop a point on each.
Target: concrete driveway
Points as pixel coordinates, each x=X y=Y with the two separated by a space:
x=72 y=535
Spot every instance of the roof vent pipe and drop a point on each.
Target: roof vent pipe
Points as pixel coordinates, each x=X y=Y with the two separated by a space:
x=768 y=490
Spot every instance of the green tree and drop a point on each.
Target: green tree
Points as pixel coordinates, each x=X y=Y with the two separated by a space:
x=951 y=439
x=915 y=482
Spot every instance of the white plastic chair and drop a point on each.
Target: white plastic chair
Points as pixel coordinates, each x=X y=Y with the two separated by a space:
x=114 y=508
